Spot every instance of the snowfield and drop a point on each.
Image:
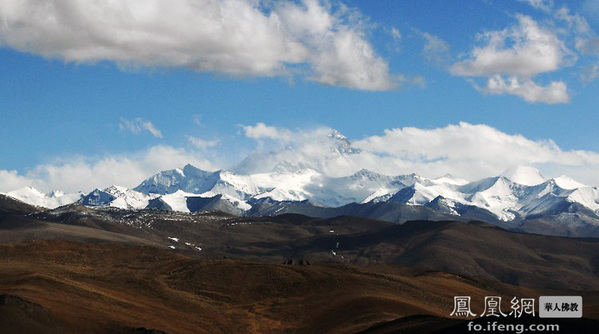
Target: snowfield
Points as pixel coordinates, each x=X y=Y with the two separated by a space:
x=518 y=192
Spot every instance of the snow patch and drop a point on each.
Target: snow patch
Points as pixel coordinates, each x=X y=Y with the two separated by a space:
x=526 y=175
x=51 y=200
x=566 y=182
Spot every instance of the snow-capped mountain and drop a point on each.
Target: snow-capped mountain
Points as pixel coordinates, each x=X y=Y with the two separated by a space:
x=500 y=196
x=323 y=175
x=525 y=175
x=189 y=179
x=323 y=152
x=117 y=197
x=308 y=191
x=50 y=200
x=299 y=185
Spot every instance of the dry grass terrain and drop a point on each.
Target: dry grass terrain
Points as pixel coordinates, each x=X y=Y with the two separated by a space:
x=80 y=270
x=91 y=287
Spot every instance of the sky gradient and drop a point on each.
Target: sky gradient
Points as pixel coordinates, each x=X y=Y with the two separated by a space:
x=101 y=93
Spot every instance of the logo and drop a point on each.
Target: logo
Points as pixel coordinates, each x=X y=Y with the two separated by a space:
x=548 y=307
x=560 y=307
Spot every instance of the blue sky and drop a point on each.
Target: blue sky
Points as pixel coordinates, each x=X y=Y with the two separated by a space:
x=119 y=91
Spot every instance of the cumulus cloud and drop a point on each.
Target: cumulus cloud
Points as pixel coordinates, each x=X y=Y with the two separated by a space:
x=11 y=180
x=576 y=27
x=520 y=53
x=475 y=151
x=82 y=173
x=348 y=60
x=468 y=142
x=263 y=131
x=555 y=92
x=321 y=148
x=465 y=150
x=202 y=143
x=236 y=37
x=137 y=125
x=523 y=50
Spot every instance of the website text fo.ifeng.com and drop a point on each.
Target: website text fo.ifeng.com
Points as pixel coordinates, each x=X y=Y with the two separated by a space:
x=494 y=326
x=548 y=307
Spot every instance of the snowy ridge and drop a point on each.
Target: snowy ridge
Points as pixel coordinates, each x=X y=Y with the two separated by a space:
x=524 y=175
x=51 y=200
x=501 y=196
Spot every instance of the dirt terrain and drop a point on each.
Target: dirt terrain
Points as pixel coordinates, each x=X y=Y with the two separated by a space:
x=80 y=270
x=91 y=287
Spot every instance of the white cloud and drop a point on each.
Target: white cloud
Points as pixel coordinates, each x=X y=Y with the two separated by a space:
x=137 y=125
x=202 y=143
x=590 y=74
x=436 y=50
x=397 y=37
x=576 y=21
x=418 y=81
x=555 y=92
x=543 y=5
x=465 y=150
x=588 y=46
x=340 y=54
x=320 y=148
x=236 y=37
x=86 y=173
x=263 y=131
x=11 y=180
x=520 y=53
x=524 y=50
x=573 y=20
x=474 y=151
x=396 y=34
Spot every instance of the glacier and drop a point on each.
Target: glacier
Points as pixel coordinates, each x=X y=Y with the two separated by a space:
x=516 y=194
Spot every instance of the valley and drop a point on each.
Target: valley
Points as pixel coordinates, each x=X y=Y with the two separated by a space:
x=95 y=269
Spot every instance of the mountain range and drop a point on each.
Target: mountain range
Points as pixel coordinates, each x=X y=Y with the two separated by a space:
x=519 y=198
x=312 y=182
x=125 y=260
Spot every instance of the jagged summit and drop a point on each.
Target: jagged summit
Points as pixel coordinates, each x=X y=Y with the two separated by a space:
x=342 y=144
x=190 y=179
x=518 y=194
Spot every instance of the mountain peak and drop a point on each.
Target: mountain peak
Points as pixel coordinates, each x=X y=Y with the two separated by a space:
x=342 y=145
x=566 y=182
x=337 y=135
x=365 y=171
x=450 y=179
x=51 y=200
x=525 y=175
x=188 y=169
